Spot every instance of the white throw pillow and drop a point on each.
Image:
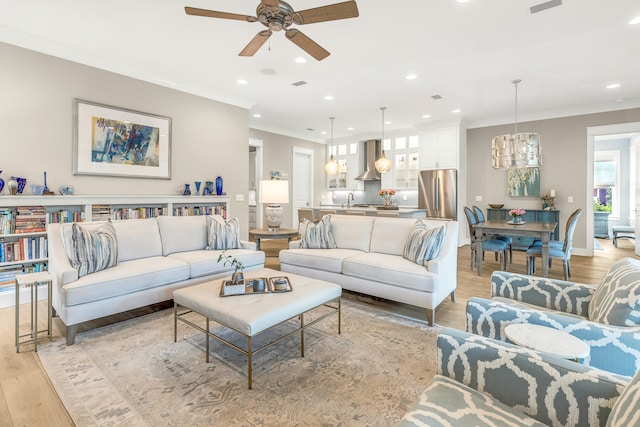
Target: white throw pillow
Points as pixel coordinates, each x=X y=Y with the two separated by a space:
x=223 y=235
x=423 y=243
x=92 y=249
x=317 y=236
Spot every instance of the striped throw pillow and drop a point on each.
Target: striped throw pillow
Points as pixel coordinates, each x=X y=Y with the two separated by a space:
x=423 y=243
x=617 y=299
x=92 y=249
x=223 y=235
x=317 y=236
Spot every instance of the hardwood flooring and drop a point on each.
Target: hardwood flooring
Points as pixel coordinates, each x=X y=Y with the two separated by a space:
x=28 y=399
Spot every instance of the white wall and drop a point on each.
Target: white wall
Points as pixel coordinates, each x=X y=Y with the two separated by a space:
x=209 y=138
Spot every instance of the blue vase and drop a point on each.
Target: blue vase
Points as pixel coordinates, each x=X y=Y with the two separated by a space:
x=187 y=190
x=219 y=186
x=1 y=183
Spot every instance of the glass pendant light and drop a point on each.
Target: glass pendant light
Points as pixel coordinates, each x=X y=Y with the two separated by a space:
x=383 y=164
x=517 y=150
x=332 y=166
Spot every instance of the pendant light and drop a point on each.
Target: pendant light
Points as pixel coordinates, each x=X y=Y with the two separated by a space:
x=383 y=164
x=332 y=166
x=518 y=150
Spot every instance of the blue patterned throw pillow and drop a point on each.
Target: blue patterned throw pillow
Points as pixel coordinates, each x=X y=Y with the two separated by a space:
x=625 y=411
x=423 y=243
x=317 y=236
x=617 y=299
x=223 y=235
x=92 y=249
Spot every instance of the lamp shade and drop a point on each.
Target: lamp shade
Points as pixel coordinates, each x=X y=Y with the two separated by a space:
x=274 y=191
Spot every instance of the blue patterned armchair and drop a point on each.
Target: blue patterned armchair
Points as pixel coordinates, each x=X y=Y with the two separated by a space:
x=484 y=382
x=606 y=317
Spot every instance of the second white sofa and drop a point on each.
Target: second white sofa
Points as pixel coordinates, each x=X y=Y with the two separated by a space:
x=368 y=258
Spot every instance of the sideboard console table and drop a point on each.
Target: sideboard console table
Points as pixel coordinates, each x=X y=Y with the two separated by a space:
x=522 y=243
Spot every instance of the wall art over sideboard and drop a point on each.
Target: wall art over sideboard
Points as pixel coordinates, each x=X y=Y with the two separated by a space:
x=523 y=182
x=115 y=141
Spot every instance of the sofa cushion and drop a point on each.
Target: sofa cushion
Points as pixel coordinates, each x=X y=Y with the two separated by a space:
x=125 y=278
x=391 y=269
x=91 y=249
x=352 y=232
x=389 y=235
x=447 y=402
x=317 y=236
x=182 y=233
x=625 y=411
x=423 y=243
x=205 y=262
x=318 y=259
x=617 y=299
x=221 y=234
x=138 y=238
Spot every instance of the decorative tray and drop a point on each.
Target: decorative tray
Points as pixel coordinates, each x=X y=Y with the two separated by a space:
x=246 y=288
x=388 y=208
x=280 y=284
x=516 y=223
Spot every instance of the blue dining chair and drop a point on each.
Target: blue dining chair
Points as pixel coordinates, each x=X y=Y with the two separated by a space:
x=492 y=245
x=558 y=249
x=508 y=240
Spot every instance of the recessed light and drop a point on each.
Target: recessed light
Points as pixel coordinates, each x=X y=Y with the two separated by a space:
x=635 y=21
x=324 y=132
x=257 y=116
x=462 y=1
x=300 y=60
x=242 y=82
x=613 y=86
x=328 y=98
x=350 y=128
x=426 y=116
x=411 y=77
x=388 y=122
x=456 y=111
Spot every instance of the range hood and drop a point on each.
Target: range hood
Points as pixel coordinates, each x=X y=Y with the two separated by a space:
x=371 y=153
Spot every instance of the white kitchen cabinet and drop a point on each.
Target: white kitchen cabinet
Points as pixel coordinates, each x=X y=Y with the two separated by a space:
x=349 y=167
x=403 y=151
x=439 y=148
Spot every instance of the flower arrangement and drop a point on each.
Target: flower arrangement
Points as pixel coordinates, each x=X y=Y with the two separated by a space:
x=517 y=214
x=387 y=194
x=237 y=276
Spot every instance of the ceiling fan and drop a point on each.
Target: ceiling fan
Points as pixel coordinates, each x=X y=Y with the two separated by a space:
x=278 y=15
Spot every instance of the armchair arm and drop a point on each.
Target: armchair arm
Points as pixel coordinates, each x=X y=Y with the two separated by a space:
x=613 y=348
x=295 y=244
x=248 y=245
x=553 y=294
x=551 y=390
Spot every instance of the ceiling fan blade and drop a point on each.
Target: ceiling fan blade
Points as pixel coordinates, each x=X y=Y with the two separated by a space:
x=255 y=43
x=271 y=4
x=306 y=44
x=332 y=12
x=215 y=14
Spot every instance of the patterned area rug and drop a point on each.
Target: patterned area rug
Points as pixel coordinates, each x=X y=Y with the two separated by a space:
x=133 y=374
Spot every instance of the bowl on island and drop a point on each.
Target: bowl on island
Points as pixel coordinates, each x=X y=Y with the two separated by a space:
x=495 y=205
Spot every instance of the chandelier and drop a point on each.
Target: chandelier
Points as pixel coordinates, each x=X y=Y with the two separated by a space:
x=332 y=166
x=383 y=164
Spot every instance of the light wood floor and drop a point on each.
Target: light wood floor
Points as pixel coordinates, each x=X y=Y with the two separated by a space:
x=28 y=399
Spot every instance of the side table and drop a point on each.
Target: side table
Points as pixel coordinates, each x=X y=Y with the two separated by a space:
x=547 y=340
x=280 y=233
x=33 y=280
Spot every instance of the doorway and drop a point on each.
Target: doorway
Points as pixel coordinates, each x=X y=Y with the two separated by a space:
x=301 y=181
x=255 y=175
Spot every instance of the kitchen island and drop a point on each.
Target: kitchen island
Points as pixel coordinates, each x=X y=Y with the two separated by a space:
x=403 y=212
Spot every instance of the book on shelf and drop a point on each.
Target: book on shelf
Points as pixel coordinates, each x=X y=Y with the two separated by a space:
x=63 y=216
x=30 y=219
x=201 y=210
x=7 y=221
x=8 y=274
x=24 y=249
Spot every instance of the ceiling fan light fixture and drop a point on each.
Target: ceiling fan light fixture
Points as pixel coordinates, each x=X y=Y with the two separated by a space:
x=383 y=164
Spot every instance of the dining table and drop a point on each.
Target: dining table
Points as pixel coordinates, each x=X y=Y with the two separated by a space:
x=540 y=230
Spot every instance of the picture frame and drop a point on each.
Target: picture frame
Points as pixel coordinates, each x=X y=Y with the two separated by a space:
x=523 y=182
x=113 y=141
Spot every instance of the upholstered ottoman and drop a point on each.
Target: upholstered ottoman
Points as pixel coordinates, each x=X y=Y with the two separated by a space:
x=623 y=232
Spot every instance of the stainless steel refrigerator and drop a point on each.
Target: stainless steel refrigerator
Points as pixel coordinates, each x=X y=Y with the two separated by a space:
x=437 y=193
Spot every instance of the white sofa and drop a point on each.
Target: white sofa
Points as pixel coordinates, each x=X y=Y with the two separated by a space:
x=155 y=257
x=369 y=259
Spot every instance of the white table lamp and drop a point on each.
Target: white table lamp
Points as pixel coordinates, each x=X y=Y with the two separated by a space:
x=273 y=193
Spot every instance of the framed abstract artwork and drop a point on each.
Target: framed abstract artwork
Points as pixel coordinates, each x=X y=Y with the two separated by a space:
x=115 y=141
x=523 y=182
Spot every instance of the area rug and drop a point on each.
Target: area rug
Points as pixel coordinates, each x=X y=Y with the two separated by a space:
x=132 y=374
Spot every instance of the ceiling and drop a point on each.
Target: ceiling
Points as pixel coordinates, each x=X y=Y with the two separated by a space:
x=468 y=53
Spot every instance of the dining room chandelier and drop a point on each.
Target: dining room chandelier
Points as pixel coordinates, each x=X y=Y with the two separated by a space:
x=332 y=165
x=517 y=150
x=383 y=164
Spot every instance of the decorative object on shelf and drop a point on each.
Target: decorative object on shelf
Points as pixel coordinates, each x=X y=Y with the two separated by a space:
x=187 y=190
x=198 y=184
x=12 y=186
x=208 y=188
x=383 y=164
x=496 y=205
x=516 y=215
x=66 y=190
x=22 y=182
x=523 y=182
x=517 y=150
x=37 y=189
x=386 y=195
x=332 y=165
x=45 y=188
x=548 y=200
x=1 y=183
x=219 y=186
x=273 y=193
x=115 y=141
